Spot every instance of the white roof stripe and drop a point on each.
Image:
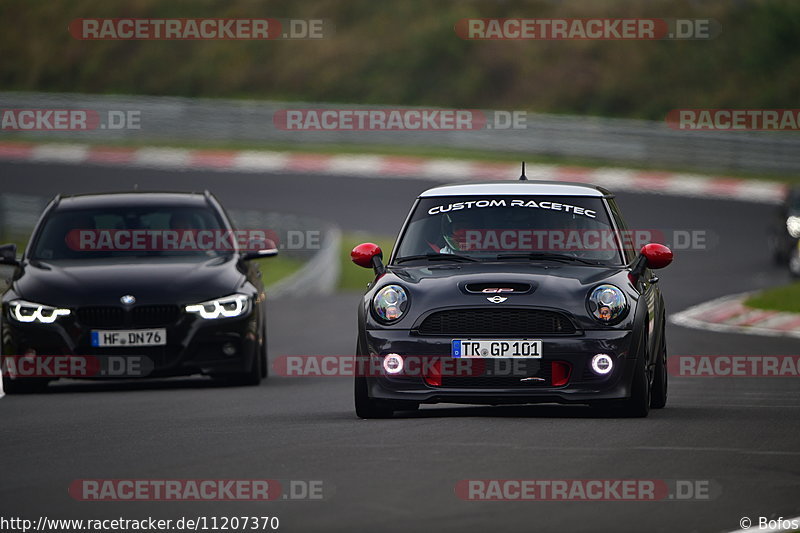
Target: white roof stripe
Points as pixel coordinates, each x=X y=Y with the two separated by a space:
x=513 y=188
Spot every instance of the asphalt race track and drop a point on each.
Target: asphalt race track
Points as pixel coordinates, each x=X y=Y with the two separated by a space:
x=400 y=474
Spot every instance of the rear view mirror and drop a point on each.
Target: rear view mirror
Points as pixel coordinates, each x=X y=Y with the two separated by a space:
x=368 y=255
x=259 y=249
x=657 y=255
x=8 y=254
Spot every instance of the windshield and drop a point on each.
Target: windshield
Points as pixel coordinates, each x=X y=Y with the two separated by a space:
x=499 y=228
x=141 y=231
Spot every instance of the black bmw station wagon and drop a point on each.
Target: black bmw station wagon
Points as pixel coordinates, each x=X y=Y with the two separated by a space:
x=174 y=309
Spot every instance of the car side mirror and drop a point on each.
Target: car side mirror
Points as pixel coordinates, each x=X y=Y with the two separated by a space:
x=652 y=256
x=259 y=249
x=656 y=255
x=8 y=254
x=368 y=255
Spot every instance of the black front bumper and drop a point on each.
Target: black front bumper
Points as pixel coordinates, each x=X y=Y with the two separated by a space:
x=576 y=351
x=194 y=346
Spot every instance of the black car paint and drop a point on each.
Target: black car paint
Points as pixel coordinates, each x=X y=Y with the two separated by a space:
x=193 y=343
x=565 y=287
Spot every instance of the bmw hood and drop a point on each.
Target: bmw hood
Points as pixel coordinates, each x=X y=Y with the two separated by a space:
x=165 y=281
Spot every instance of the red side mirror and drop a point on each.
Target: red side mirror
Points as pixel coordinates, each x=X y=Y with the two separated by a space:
x=363 y=254
x=657 y=255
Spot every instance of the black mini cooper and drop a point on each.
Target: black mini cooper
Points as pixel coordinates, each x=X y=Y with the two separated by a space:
x=511 y=293
x=121 y=285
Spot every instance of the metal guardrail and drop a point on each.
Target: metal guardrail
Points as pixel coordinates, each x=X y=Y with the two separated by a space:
x=318 y=275
x=619 y=140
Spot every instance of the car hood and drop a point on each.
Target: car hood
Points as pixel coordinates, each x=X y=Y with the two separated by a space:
x=103 y=282
x=552 y=285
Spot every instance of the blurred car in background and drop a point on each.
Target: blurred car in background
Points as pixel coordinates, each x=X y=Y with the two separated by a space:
x=178 y=310
x=784 y=229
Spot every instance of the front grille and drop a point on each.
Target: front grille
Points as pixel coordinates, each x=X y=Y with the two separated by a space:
x=155 y=315
x=500 y=378
x=101 y=317
x=139 y=316
x=496 y=322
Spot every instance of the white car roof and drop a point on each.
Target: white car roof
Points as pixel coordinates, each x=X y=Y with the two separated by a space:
x=530 y=187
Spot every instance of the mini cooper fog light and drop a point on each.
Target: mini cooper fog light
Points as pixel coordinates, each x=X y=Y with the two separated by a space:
x=393 y=363
x=602 y=364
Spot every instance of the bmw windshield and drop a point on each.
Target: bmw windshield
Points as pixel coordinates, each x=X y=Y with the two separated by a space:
x=506 y=228
x=158 y=231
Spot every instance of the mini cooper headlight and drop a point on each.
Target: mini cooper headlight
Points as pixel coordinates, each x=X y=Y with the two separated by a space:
x=607 y=303
x=226 y=307
x=390 y=303
x=23 y=311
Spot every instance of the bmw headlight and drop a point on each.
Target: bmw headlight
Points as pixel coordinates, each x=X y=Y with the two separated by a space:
x=390 y=303
x=226 y=307
x=607 y=303
x=23 y=311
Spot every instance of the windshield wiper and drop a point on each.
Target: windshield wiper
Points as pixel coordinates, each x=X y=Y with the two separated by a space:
x=551 y=257
x=435 y=257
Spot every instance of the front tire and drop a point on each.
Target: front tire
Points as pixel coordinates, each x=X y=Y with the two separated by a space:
x=367 y=407
x=252 y=377
x=794 y=262
x=264 y=356
x=638 y=405
x=658 y=397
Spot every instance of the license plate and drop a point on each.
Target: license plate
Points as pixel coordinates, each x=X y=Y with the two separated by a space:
x=129 y=337
x=522 y=348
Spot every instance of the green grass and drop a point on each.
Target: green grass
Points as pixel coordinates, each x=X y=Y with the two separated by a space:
x=407 y=53
x=490 y=156
x=785 y=298
x=354 y=277
x=274 y=269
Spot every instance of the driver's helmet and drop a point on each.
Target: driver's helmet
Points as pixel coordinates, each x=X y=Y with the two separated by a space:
x=454 y=232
